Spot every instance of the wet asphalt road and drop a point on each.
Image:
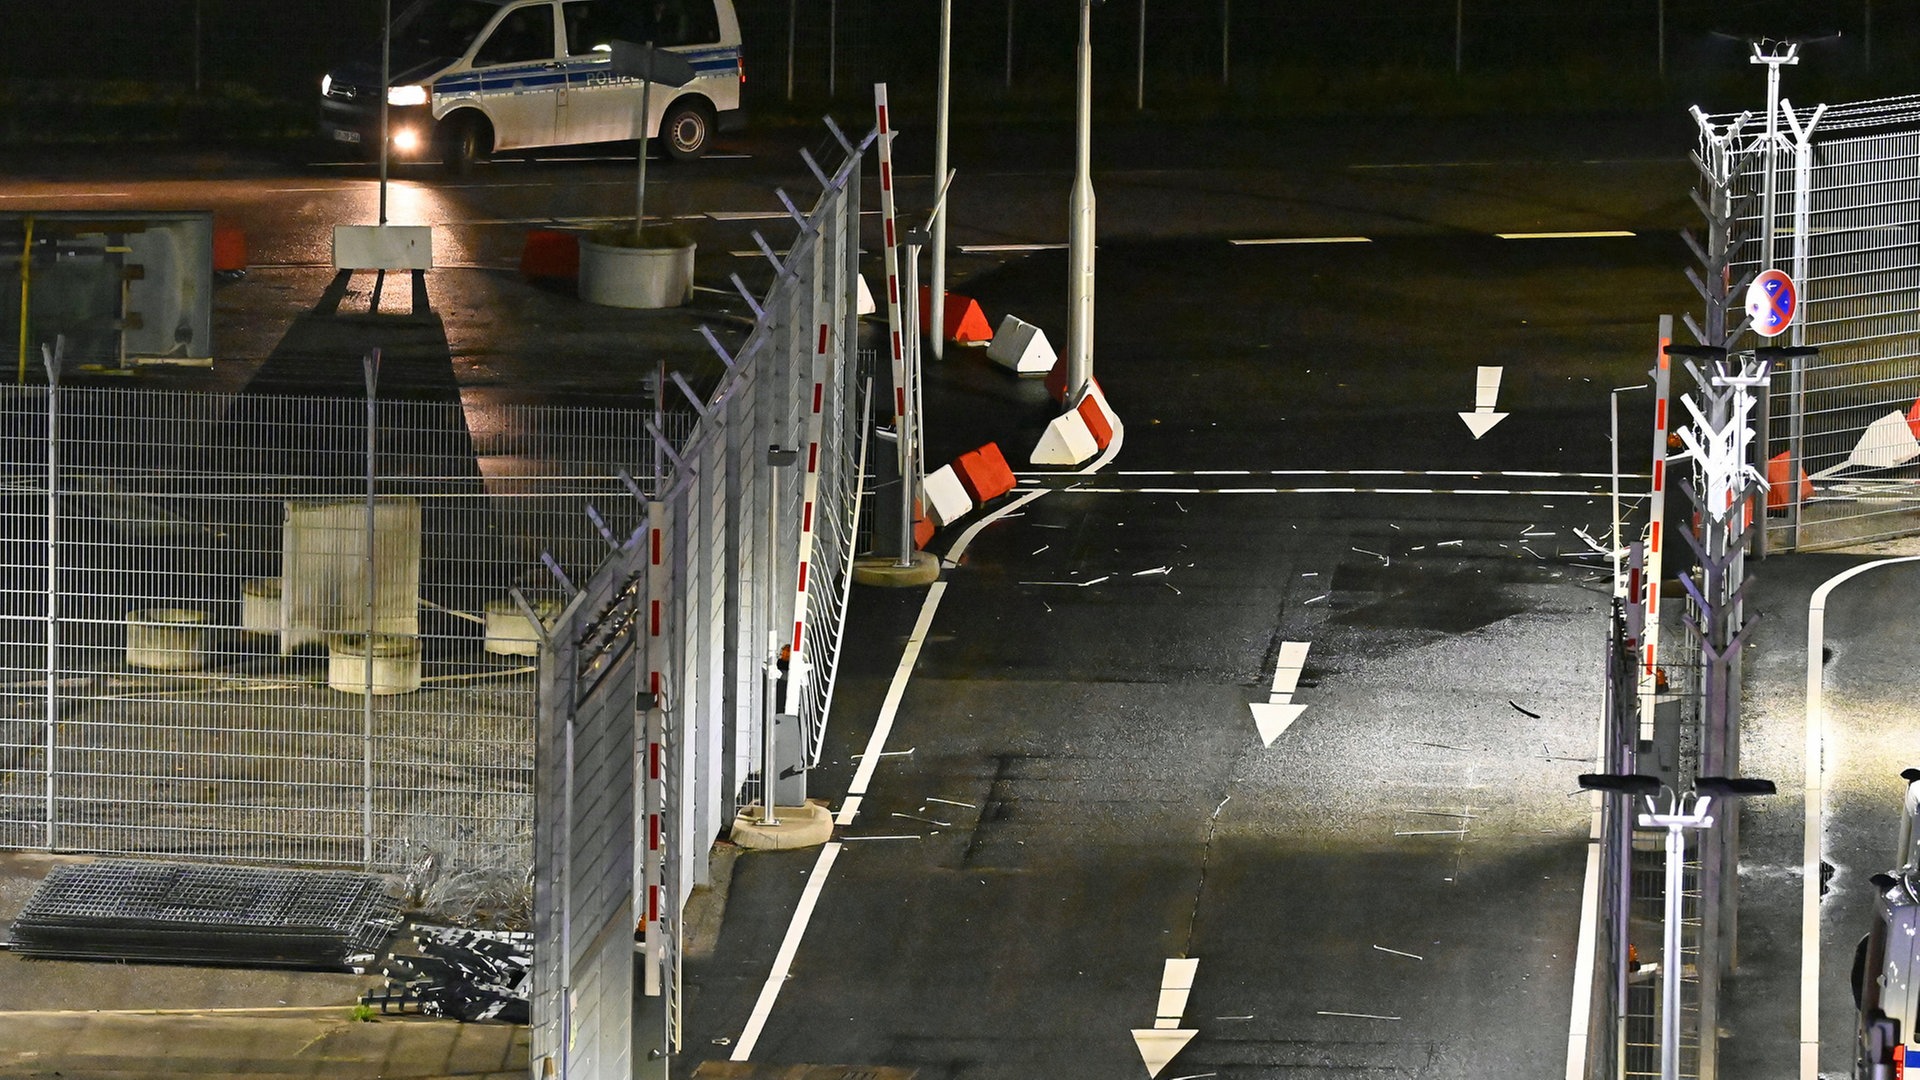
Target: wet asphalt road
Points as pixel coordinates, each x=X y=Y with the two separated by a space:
x=1109 y=803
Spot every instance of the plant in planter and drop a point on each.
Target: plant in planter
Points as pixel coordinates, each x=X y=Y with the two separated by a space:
x=640 y=266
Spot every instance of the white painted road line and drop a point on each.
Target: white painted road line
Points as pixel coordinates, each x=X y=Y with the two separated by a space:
x=890 y=707
x=789 y=945
x=1598 y=234
x=1579 y=1028
x=1273 y=240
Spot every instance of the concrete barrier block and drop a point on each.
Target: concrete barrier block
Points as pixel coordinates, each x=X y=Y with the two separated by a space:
x=550 y=254
x=1067 y=441
x=1092 y=409
x=229 y=249
x=965 y=323
x=383 y=247
x=1779 y=492
x=1022 y=348
x=984 y=473
x=947 y=498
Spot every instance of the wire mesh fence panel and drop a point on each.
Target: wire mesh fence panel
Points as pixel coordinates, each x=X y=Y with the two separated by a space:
x=1841 y=447
x=747 y=551
x=218 y=623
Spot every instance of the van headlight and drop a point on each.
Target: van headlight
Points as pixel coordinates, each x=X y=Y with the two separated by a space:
x=326 y=85
x=407 y=95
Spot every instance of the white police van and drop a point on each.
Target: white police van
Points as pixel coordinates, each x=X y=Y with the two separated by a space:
x=470 y=77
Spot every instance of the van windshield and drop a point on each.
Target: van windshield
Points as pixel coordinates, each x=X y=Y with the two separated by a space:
x=438 y=29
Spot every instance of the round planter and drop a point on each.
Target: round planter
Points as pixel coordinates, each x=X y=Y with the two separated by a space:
x=635 y=277
x=165 y=639
x=395 y=660
x=509 y=633
x=260 y=606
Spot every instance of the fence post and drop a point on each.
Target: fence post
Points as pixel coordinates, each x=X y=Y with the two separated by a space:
x=1796 y=436
x=370 y=367
x=52 y=359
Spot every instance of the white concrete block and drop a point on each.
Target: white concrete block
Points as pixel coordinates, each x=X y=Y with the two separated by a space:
x=866 y=297
x=1021 y=348
x=383 y=247
x=1065 y=442
x=946 y=499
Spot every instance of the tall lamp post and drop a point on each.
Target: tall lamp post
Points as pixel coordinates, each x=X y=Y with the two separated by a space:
x=1685 y=811
x=1774 y=54
x=1080 y=221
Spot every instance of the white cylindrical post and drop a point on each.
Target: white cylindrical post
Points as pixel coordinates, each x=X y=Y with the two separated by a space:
x=1226 y=37
x=1080 y=219
x=768 y=815
x=793 y=15
x=1613 y=443
x=1773 y=156
x=1140 y=63
x=386 y=84
x=937 y=301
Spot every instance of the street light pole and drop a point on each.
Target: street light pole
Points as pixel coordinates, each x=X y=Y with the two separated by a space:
x=1080 y=222
x=1613 y=541
x=937 y=286
x=1773 y=54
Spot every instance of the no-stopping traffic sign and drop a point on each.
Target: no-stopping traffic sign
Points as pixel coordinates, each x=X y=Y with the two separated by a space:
x=1772 y=302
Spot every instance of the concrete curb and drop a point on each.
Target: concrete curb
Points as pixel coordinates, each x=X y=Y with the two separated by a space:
x=881 y=571
x=800 y=827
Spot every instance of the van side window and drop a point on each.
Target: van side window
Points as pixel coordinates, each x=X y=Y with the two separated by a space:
x=524 y=36
x=590 y=25
x=684 y=22
x=663 y=22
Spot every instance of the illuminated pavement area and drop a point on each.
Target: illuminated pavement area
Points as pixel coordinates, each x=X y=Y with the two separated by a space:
x=1073 y=790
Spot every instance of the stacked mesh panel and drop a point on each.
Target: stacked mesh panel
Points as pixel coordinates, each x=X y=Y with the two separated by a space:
x=122 y=909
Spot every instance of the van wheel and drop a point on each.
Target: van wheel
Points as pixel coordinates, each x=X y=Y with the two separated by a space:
x=686 y=129
x=465 y=140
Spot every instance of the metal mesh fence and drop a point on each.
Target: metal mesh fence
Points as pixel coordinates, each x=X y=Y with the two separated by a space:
x=1846 y=225
x=189 y=628
x=720 y=619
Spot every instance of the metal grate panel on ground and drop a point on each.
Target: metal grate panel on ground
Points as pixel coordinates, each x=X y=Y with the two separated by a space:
x=123 y=909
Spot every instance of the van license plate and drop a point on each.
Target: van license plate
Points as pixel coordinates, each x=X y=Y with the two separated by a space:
x=346 y=136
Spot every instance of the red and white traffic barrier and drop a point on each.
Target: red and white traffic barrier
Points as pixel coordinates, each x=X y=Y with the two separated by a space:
x=1021 y=348
x=1079 y=434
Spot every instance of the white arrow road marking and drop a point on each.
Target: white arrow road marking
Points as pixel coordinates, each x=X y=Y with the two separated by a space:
x=1273 y=720
x=1159 y=1043
x=1278 y=712
x=1486 y=389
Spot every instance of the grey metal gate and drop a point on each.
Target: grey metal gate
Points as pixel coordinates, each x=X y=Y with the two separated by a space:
x=723 y=610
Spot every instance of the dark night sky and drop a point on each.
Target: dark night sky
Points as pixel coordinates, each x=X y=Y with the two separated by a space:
x=281 y=46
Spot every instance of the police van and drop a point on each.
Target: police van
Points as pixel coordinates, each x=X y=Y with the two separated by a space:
x=469 y=77
x=1886 y=986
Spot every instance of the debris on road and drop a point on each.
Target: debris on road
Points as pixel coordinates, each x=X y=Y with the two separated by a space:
x=1524 y=711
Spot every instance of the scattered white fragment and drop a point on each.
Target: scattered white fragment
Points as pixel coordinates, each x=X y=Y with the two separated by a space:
x=1169 y=585
x=1450 y=543
x=1152 y=571
x=915 y=836
x=916 y=817
x=1397 y=952
x=1316 y=599
x=1249 y=1016
x=890 y=753
x=952 y=802
x=1356 y=1016
x=1041 y=548
x=1433 y=832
